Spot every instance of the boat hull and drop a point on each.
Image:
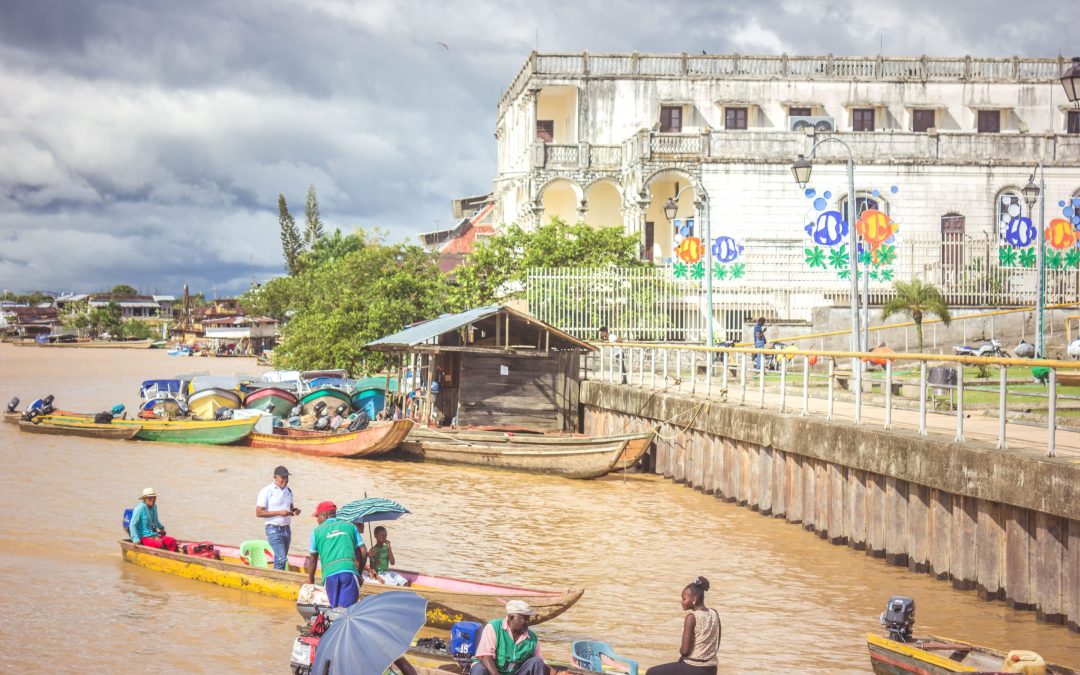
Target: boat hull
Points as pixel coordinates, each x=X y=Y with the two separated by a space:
x=181 y=431
x=939 y=656
x=463 y=601
x=378 y=438
x=204 y=404
x=12 y=417
x=84 y=429
x=281 y=400
x=571 y=457
x=331 y=397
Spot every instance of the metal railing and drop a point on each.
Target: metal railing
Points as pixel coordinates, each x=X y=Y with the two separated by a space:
x=693 y=370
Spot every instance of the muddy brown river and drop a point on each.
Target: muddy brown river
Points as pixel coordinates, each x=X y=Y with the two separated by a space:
x=789 y=601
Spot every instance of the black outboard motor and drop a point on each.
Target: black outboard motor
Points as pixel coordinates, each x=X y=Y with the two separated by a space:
x=12 y=404
x=360 y=421
x=297 y=410
x=47 y=405
x=222 y=414
x=341 y=410
x=899 y=618
x=322 y=420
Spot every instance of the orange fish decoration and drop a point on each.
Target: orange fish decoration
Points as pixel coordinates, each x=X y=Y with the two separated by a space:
x=690 y=250
x=1060 y=234
x=875 y=228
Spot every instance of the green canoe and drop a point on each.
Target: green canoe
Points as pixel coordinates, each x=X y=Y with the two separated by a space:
x=210 y=432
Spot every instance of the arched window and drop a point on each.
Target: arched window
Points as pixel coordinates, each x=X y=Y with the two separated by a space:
x=1009 y=205
x=864 y=201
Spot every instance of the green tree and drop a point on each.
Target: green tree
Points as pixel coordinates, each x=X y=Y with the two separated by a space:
x=313 y=232
x=916 y=299
x=497 y=267
x=291 y=244
x=123 y=289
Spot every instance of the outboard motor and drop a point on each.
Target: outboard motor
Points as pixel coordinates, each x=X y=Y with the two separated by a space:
x=12 y=404
x=341 y=410
x=899 y=618
x=360 y=421
x=322 y=420
x=222 y=414
x=47 y=405
x=118 y=410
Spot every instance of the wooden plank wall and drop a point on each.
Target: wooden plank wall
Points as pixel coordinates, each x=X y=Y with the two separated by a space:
x=536 y=392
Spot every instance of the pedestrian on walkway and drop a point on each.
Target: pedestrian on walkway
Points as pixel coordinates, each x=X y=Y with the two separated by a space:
x=275 y=503
x=616 y=353
x=759 y=340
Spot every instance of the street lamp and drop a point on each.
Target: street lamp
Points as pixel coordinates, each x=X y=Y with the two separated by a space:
x=801 y=170
x=1070 y=80
x=1032 y=192
x=701 y=203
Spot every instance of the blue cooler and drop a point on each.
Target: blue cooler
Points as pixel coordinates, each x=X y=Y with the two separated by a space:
x=463 y=638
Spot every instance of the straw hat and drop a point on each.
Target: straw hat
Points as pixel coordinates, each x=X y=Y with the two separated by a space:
x=148 y=492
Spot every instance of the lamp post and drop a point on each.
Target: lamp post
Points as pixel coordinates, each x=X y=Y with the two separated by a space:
x=801 y=170
x=1070 y=80
x=701 y=203
x=1031 y=193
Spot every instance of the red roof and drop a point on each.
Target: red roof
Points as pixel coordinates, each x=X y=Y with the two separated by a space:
x=463 y=244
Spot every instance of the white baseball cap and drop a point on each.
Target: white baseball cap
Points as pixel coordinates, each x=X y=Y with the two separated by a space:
x=519 y=607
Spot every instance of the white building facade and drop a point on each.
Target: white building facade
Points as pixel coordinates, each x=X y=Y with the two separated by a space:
x=942 y=148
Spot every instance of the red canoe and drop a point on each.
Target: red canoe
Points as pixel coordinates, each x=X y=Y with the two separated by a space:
x=378 y=438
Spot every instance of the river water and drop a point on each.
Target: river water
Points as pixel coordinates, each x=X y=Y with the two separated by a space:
x=789 y=601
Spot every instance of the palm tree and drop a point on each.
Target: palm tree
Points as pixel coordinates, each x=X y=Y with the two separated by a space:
x=916 y=299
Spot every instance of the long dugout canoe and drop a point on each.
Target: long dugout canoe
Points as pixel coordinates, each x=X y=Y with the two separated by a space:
x=84 y=429
x=449 y=600
x=179 y=431
x=939 y=656
x=377 y=438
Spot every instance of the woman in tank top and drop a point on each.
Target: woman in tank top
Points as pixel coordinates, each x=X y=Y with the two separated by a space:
x=700 y=638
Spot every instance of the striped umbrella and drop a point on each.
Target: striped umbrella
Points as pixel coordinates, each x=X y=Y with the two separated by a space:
x=371 y=509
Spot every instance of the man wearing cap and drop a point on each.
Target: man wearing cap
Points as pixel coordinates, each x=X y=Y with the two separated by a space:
x=145 y=528
x=508 y=647
x=338 y=544
x=275 y=503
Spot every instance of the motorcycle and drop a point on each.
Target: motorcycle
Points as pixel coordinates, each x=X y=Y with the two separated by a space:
x=991 y=348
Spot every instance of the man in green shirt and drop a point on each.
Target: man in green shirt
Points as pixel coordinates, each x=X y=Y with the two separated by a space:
x=339 y=546
x=508 y=647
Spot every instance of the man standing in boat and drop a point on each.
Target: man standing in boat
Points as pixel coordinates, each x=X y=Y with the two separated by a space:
x=275 y=503
x=339 y=545
x=508 y=646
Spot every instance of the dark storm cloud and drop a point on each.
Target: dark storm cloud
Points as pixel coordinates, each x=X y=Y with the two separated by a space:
x=146 y=141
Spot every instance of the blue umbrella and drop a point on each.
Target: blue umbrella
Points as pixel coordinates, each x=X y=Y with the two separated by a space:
x=371 y=509
x=373 y=634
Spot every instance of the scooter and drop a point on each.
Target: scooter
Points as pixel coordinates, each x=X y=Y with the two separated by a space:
x=991 y=348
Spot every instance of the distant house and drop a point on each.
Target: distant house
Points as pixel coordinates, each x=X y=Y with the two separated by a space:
x=474 y=220
x=27 y=322
x=240 y=334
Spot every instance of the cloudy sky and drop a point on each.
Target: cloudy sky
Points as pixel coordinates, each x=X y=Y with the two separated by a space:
x=146 y=141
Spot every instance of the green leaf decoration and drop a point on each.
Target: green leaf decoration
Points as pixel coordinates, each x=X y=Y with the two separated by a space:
x=838 y=257
x=887 y=274
x=844 y=273
x=1007 y=256
x=697 y=272
x=1054 y=260
x=886 y=255
x=679 y=270
x=874 y=275
x=720 y=272
x=739 y=269
x=1072 y=258
x=1027 y=257
x=865 y=258
x=815 y=257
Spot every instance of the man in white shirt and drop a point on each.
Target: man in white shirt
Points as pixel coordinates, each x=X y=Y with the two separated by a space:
x=275 y=503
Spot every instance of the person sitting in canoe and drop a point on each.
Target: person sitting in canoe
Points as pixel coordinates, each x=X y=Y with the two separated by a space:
x=145 y=528
x=339 y=544
x=380 y=559
x=508 y=646
x=700 y=638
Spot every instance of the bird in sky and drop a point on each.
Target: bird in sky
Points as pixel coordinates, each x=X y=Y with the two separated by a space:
x=443 y=45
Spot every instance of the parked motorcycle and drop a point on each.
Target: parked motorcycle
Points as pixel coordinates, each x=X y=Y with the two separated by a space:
x=991 y=348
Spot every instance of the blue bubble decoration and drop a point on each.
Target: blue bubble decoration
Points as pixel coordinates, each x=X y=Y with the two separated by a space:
x=828 y=195
x=821 y=204
x=894 y=189
x=810 y=192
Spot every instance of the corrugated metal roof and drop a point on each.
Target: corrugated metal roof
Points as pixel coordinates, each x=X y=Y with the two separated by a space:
x=429 y=330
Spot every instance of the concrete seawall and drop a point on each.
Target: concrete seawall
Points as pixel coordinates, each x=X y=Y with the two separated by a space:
x=1002 y=523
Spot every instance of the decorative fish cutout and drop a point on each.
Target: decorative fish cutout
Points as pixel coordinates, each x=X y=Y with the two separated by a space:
x=690 y=250
x=875 y=227
x=725 y=249
x=829 y=229
x=1020 y=232
x=1060 y=234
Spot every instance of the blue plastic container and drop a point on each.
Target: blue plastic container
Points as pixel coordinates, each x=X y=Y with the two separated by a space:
x=463 y=638
x=127 y=518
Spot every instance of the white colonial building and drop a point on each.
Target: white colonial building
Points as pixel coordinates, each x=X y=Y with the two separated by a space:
x=942 y=148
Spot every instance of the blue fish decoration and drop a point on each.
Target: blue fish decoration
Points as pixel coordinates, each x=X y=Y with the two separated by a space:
x=725 y=249
x=829 y=229
x=1020 y=232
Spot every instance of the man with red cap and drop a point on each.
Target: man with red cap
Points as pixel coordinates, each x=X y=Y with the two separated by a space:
x=339 y=545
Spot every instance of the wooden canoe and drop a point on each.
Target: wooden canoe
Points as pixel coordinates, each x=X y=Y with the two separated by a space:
x=572 y=457
x=939 y=656
x=1068 y=378
x=12 y=417
x=377 y=438
x=102 y=344
x=449 y=600
x=80 y=428
x=179 y=431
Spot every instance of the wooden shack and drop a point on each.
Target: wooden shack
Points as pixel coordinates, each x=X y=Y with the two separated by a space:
x=494 y=367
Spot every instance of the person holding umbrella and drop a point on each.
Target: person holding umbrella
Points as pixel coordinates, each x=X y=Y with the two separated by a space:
x=339 y=545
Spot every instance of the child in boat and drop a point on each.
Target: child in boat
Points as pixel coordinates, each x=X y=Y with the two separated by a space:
x=381 y=558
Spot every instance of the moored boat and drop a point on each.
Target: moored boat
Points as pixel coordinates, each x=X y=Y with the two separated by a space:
x=87 y=429
x=208 y=432
x=331 y=396
x=275 y=400
x=901 y=653
x=377 y=438
x=449 y=600
x=563 y=455
x=12 y=417
x=205 y=403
